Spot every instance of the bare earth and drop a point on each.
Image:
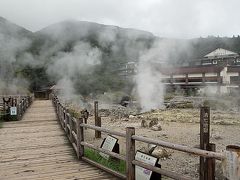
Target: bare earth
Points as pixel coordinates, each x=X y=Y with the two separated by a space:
x=179 y=126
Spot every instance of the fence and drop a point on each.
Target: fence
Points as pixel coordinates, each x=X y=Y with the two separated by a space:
x=74 y=129
x=20 y=102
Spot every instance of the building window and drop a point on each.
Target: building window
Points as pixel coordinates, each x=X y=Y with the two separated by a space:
x=214 y=62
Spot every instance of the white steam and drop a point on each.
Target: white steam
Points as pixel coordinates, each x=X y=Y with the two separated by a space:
x=11 y=48
x=150 y=88
x=67 y=65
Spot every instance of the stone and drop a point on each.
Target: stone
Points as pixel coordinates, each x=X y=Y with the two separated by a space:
x=151 y=147
x=144 y=123
x=131 y=116
x=157 y=127
x=160 y=153
x=154 y=121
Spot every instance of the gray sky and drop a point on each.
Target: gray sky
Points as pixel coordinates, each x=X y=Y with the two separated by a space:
x=166 y=18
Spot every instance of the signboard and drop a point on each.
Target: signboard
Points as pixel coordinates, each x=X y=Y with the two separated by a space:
x=140 y=172
x=13 y=111
x=108 y=144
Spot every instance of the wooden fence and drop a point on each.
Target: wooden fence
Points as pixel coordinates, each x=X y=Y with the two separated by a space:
x=74 y=129
x=20 y=102
x=22 y=106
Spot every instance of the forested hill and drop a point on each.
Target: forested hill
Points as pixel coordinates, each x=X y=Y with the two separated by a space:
x=202 y=46
x=88 y=54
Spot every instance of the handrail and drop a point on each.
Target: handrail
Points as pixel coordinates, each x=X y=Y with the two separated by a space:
x=186 y=149
x=21 y=105
x=103 y=130
x=161 y=171
x=74 y=129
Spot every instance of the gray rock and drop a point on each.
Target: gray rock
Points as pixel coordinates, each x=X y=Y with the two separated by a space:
x=154 y=121
x=160 y=153
x=144 y=123
x=157 y=127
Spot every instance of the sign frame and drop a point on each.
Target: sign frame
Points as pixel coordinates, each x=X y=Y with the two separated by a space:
x=152 y=175
x=113 y=148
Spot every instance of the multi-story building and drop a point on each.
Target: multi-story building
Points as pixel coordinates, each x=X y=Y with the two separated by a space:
x=219 y=71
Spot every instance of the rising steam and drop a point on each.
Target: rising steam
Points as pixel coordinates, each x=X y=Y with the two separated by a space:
x=150 y=88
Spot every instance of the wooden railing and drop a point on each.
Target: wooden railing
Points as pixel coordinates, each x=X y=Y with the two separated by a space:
x=20 y=102
x=22 y=106
x=74 y=129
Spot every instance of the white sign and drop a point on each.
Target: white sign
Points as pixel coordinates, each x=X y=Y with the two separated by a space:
x=140 y=172
x=13 y=111
x=108 y=144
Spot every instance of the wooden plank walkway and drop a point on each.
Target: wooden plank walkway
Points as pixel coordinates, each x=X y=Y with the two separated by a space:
x=36 y=148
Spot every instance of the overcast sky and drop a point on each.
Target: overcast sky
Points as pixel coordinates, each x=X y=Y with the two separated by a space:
x=165 y=18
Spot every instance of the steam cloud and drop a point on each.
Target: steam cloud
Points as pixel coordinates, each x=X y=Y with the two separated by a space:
x=149 y=84
x=67 y=65
x=12 y=47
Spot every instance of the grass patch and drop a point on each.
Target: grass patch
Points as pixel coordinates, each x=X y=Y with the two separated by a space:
x=116 y=165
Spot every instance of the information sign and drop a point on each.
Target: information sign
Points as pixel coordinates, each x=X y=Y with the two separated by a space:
x=140 y=172
x=108 y=144
x=13 y=111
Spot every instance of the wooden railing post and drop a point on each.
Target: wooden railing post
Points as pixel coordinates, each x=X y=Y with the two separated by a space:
x=231 y=168
x=67 y=123
x=204 y=140
x=64 y=119
x=211 y=162
x=130 y=153
x=99 y=124
x=80 y=138
x=71 y=128
x=97 y=120
x=95 y=110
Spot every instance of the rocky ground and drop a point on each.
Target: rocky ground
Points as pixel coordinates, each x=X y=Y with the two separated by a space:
x=179 y=123
x=179 y=126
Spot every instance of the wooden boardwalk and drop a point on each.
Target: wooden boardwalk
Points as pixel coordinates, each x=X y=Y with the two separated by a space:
x=36 y=148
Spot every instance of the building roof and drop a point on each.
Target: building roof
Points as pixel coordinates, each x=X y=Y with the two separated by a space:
x=220 y=52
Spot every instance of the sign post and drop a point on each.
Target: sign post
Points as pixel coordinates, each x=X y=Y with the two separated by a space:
x=108 y=144
x=204 y=140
